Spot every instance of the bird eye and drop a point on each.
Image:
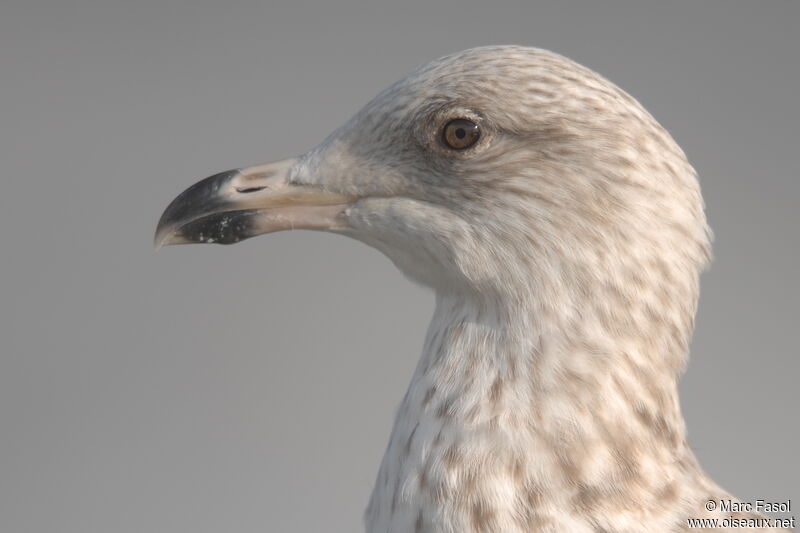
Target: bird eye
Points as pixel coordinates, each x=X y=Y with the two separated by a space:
x=460 y=134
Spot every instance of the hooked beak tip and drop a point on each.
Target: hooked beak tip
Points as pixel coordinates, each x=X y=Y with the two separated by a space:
x=235 y=205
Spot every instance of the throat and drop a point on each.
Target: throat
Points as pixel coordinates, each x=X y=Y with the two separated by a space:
x=508 y=408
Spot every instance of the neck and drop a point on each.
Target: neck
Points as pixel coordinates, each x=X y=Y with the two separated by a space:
x=515 y=401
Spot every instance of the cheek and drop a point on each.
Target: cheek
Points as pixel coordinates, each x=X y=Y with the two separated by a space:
x=428 y=243
x=419 y=238
x=401 y=224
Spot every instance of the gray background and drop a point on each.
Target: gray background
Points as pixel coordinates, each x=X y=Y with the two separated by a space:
x=252 y=388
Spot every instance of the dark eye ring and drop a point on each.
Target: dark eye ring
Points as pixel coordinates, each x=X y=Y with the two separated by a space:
x=460 y=134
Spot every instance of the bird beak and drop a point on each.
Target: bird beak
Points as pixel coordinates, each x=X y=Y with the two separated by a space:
x=238 y=204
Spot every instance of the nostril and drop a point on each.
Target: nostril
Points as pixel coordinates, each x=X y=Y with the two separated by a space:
x=245 y=190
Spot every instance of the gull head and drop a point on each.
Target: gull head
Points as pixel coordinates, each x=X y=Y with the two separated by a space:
x=502 y=172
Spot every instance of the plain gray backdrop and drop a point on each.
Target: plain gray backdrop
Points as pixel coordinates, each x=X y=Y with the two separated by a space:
x=252 y=388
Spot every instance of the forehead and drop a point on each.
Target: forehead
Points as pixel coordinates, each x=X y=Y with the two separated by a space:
x=508 y=65
x=510 y=84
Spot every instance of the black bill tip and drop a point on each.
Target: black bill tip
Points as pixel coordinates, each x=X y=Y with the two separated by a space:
x=180 y=223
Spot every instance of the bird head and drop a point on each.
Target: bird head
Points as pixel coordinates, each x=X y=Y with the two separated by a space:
x=502 y=172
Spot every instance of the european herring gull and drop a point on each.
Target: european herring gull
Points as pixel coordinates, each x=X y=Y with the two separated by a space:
x=562 y=230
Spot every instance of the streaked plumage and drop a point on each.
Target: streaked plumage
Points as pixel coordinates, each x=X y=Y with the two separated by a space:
x=564 y=247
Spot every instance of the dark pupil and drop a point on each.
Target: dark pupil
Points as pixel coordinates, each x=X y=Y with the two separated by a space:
x=461 y=133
